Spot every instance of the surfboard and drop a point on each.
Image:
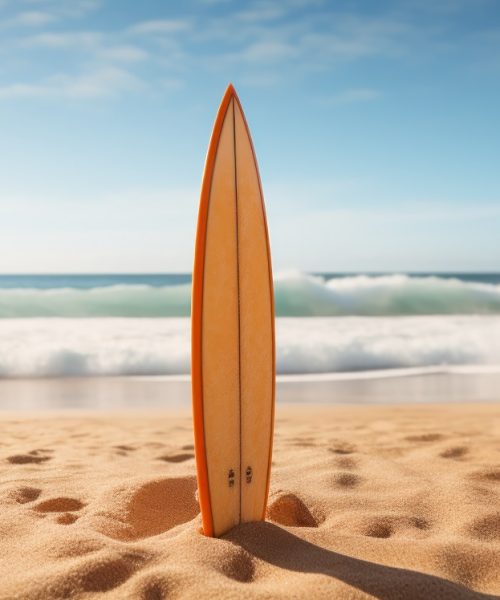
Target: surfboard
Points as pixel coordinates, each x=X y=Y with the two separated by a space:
x=232 y=325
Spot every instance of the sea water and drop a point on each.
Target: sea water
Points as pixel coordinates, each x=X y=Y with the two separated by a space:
x=85 y=325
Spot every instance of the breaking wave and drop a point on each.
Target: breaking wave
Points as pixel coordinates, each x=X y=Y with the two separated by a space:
x=97 y=347
x=296 y=294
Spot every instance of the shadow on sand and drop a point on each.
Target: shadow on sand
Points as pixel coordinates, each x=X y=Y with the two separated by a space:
x=281 y=548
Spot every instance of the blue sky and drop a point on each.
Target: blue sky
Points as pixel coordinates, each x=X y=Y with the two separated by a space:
x=376 y=126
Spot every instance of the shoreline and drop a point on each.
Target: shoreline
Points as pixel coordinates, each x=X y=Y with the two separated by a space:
x=173 y=393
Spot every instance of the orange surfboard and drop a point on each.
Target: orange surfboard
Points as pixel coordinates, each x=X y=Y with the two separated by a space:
x=232 y=317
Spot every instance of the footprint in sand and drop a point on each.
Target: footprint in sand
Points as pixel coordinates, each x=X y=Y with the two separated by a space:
x=176 y=458
x=62 y=504
x=468 y=568
x=379 y=529
x=424 y=437
x=125 y=447
x=289 y=510
x=342 y=447
x=486 y=528
x=153 y=586
x=66 y=519
x=303 y=442
x=346 y=480
x=26 y=494
x=33 y=457
x=346 y=462
x=487 y=475
x=385 y=526
x=240 y=566
x=455 y=452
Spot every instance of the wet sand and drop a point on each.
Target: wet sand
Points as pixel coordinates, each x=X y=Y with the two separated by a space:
x=136 y=393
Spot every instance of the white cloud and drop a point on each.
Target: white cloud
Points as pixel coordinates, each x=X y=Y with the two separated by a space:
x=22 y=90
x=31 y=19
x=160 y=26
x=124 y=53
x=106 y=81
x=268 y=50
x=260 y=12
x=99 y=83
x=76 y=39
x=67 y=8
x=42 y=12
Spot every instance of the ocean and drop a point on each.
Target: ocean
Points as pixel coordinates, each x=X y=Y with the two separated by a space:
x=106 y=325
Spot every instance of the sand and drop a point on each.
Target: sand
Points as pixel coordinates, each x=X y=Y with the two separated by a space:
x=366 y=502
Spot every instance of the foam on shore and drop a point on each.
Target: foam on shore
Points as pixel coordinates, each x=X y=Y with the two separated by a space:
x=60 y=347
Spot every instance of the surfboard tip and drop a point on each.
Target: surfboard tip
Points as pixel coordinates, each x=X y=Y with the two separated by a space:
x=230 y=89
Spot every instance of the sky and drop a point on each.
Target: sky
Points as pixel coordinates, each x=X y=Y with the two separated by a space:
x=376 y=127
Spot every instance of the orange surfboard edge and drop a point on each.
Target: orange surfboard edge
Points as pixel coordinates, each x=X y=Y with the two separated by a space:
x=196 y=316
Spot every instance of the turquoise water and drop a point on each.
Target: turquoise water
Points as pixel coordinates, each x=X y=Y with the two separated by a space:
x=44 y=282
x=87 y=282
x=296 y=294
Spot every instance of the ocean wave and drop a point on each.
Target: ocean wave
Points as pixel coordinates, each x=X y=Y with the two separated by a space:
x=97 y=347
x=296 y=294
x=124 y=300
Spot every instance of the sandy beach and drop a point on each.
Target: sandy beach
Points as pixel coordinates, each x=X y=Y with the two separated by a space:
x=386 y=501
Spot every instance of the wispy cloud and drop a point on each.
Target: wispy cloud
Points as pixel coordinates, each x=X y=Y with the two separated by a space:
x=268 y=51
x=262 y=41
x=34 y=18
x=102 y=82
x=76 y=39
x=261 y=12
x=321 y=39
x=161 y=26
x=66 y=8
x=42 y=12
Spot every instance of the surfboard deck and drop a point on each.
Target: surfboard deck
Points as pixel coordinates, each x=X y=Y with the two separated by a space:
x=232 y=314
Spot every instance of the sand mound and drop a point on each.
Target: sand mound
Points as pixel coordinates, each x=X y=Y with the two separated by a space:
x=145 y=508
x=400 y=502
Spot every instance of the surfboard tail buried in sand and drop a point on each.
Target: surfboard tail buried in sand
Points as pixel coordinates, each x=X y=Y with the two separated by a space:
x=233 y=349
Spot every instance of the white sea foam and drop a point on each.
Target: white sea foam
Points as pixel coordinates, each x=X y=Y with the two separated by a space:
x=41 y=347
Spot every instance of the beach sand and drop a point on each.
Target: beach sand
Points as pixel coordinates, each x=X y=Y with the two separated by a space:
x=394 y=501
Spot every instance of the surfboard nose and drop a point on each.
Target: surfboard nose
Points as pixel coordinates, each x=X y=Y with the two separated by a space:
x=230 y=90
